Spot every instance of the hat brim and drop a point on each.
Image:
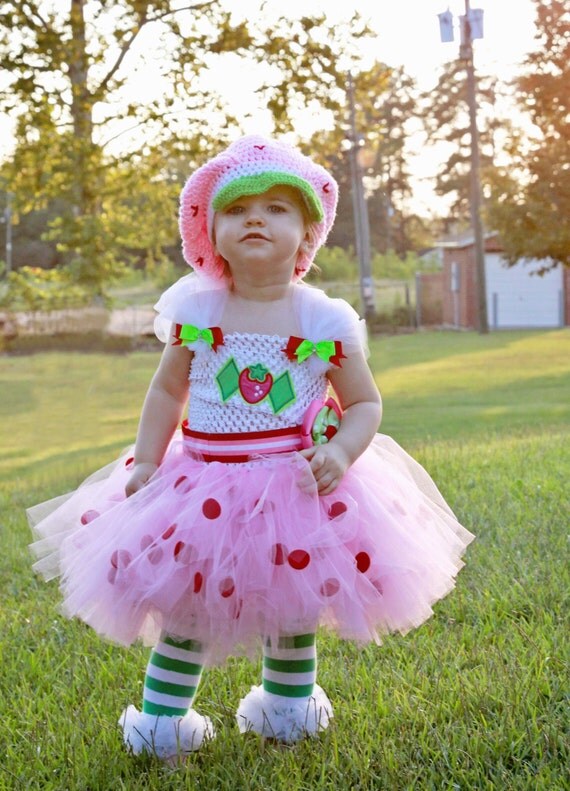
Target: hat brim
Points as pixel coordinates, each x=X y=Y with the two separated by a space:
x=259 y=183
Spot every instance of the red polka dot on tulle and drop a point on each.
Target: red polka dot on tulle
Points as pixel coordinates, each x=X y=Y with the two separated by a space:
x=227 y=587
x=184 y=553
x=362 y=561
x=169 y=532
x=330 y=587
x=182 y=485
x=130 y=463
x=89 y=516
x=146 y=541
x=155 y=555
x=120 y=559
x=299 y=559
x=278 y=554
x=198 y=582
x=337 y=509
x=378 y=585
x=211 y=508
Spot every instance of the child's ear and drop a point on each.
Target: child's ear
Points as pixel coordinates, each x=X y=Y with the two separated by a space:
x=308 y=240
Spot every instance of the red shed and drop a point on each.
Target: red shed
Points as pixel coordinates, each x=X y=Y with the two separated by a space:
x=516 y=298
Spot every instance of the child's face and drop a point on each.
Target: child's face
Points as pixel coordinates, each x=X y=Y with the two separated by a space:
x=260 y=236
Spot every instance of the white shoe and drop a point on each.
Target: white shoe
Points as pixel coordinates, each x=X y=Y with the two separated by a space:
x=284 y=719
x=166 y=737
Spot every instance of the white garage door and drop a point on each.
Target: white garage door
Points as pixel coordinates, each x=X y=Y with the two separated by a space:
x=515 y=298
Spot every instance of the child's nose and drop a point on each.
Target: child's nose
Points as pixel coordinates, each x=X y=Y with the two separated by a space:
x=254 y=213
x=254 y=217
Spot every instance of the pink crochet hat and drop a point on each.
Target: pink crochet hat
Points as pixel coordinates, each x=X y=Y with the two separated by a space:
x=251 y=166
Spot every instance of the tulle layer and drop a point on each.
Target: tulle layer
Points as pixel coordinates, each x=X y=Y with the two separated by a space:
x=225 y=553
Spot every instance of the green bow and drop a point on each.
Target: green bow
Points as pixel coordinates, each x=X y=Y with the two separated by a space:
x=323 y=349
x=189 y=333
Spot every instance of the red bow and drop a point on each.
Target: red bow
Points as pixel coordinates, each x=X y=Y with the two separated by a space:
x=300 y=349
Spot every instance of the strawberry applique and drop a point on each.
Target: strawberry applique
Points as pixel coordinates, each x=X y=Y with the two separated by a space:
x=255 y=382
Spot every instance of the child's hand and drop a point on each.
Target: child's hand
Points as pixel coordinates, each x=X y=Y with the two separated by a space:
x=141 y=474
x=328 y=464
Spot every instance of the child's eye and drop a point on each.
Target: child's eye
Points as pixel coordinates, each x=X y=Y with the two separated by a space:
x=234 y=209
x=276 y=208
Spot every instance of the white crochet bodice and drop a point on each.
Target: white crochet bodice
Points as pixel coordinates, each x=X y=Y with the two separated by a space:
x=221 y=386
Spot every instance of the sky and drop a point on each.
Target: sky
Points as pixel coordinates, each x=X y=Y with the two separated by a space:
x=407 y=35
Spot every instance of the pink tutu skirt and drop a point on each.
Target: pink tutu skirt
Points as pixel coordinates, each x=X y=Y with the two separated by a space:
x=227 y=553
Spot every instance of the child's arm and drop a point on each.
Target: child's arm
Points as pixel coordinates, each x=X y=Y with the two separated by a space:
x=161 y=413
x=362 y=405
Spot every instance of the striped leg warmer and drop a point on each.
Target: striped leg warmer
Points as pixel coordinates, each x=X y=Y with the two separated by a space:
x=290 y=668
x=167 y=726
x=288 y=705
x=172 y=677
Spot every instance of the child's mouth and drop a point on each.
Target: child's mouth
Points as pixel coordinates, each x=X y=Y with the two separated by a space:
x=250 y=236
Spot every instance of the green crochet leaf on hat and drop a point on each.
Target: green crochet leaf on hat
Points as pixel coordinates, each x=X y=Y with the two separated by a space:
x=260 y=183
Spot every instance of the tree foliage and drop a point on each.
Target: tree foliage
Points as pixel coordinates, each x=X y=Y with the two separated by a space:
x=387 y=120
x=71 y=70
x=530 y=202
x=446 y=120
x=385 y=104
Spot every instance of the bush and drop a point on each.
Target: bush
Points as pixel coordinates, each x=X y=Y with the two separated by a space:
x=337 y=264
x=35 y=289
x=88 y=342
x=165 y=272
x=334 y=264
x=398 y=317
x=389 y=266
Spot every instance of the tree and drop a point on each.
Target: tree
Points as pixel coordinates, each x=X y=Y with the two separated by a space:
x=388 y=118
x=446 y=121
x=530 y=202
x=385 y=102
x=70 y=70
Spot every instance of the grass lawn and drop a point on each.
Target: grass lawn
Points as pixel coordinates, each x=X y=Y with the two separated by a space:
x=477 y=698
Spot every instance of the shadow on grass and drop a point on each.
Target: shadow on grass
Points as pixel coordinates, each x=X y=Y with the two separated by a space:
x=56 y=467
x=392 y=352
x=538 y=405
x=18 y=397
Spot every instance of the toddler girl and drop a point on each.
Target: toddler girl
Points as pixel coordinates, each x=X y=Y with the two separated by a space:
x=273 y=510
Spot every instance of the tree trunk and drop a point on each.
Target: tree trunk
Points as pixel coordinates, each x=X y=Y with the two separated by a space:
x=81 y=111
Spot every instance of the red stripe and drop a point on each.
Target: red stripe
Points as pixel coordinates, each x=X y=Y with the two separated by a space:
x=240 y=438
x=243 y=436
x=226 y=459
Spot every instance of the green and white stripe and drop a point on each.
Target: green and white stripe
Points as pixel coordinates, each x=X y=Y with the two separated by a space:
x=290 y=669
x=172 y=677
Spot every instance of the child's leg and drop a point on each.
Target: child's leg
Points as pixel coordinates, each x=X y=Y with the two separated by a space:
x=172 y=677
x=290 y=667
x=289 y=704
x=167 y=725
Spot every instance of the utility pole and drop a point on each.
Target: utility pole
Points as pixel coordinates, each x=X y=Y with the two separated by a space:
x=466 y=55
x=8 y=220
x=360 y=212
